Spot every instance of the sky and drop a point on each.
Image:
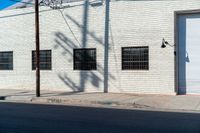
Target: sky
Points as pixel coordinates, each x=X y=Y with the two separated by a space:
x=6 y=3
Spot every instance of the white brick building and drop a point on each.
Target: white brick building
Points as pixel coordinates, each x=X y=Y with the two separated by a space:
x=136 y=24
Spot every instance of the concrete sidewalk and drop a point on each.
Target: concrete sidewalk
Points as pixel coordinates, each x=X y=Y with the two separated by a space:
x=184 y=102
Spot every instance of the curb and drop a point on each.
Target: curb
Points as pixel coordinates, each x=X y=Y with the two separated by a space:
x=87 y=102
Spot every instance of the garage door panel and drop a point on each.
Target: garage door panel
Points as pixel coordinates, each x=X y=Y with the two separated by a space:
x=189 y=53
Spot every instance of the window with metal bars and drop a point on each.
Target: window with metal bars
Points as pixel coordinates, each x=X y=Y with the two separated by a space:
x=6 y=60
x=135 y=58
x=85 y=59
x=45 y=60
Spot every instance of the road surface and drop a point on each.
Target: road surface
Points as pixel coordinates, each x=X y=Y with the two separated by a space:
x=35 y=118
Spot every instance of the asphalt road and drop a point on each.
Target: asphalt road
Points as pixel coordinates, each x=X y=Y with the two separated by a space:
x=33 y=118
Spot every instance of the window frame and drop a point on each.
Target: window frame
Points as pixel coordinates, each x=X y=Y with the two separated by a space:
x=12 y=67
x=84 y=49
x=34 y=68
x=134 y=69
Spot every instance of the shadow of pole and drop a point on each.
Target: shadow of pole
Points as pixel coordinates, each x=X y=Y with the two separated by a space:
x=84 y=74
x=91 y=33
x=106 y=45
x=67 y=43
x=85 y=24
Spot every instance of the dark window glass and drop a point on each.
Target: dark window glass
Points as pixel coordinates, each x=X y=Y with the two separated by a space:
x=6 y=60
x=84 y=59
x=135 y=58
x=45 y=60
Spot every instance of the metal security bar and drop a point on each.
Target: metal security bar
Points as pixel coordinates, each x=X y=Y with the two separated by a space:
x=85 y=59
x=6 y=60
x=135 y=58
x=45 y=60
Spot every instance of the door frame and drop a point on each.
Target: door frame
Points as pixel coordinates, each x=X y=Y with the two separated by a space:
x=176 y=50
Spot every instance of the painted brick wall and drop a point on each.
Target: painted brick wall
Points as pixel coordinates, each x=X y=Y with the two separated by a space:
x=132 y=23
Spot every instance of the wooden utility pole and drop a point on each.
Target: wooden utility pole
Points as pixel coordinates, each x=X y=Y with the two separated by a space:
x=37 y=43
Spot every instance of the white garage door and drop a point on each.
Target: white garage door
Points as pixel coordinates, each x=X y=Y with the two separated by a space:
x=189 y=53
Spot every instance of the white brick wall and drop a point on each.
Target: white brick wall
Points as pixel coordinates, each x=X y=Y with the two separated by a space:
x=132 y=23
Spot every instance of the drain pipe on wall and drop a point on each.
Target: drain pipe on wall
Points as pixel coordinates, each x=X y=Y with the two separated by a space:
x=106 y=45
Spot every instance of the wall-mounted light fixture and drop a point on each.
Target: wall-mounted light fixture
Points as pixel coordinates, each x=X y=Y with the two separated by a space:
x=165 y=43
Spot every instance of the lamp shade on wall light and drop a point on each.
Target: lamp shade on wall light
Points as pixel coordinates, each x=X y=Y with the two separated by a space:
x=165 y=43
